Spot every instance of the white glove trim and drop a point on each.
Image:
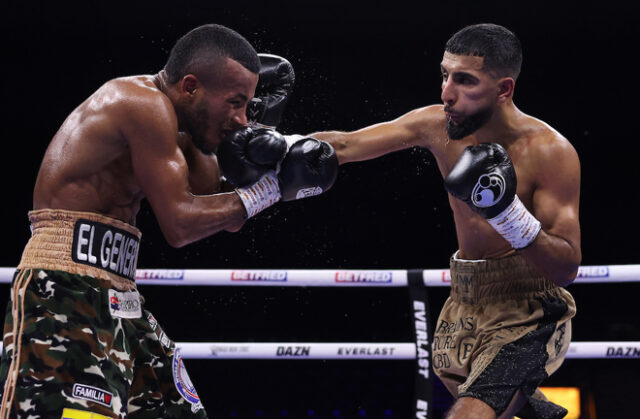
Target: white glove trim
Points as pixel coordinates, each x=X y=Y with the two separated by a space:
x=292 y=139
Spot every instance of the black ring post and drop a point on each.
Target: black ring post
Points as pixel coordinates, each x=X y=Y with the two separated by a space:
x=419 y=309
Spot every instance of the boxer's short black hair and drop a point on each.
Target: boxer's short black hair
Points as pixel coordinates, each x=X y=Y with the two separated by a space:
x=499 y=47
x=205 y=47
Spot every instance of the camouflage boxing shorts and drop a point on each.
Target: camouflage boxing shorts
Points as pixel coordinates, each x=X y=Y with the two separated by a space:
x=78 y=342
x=503 y=330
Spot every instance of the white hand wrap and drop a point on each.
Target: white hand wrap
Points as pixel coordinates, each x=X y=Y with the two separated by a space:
x=516 y=224
x=260 y=195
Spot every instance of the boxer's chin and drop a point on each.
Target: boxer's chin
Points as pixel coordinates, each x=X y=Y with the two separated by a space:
x=469 y=125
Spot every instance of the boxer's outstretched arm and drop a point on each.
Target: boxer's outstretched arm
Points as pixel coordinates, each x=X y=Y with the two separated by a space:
x=161 y=170
x=556 y=253
x=416 y=128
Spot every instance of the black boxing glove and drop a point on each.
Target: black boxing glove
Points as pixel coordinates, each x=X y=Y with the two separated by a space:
x=247 y=153
x=484 y=178
x=275 y=83
x=309 y=168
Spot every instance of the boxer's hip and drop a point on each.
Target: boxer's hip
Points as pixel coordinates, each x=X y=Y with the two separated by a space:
x=494 y=304
x=495 y=280
x=83 y=243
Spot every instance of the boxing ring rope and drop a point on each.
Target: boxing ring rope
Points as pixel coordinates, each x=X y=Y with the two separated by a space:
x=371 y=351
x=592 y=274
x=351 y=278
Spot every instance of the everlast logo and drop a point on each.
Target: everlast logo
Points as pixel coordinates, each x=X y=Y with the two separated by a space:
x=293 y=350
x=422 y=338
x=422 y=407
x=93 y=394
x=105 y=247
x=366 y=351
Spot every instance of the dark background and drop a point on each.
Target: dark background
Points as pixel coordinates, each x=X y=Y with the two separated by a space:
x=356 y=64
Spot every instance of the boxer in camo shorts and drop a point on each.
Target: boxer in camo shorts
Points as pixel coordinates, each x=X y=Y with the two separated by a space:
x=78 y=342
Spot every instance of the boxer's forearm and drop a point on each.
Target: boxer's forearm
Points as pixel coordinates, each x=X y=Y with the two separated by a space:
x=554 y=257
x=368 y=143
x=200 y=216
x=415 y=128
x=340 y=141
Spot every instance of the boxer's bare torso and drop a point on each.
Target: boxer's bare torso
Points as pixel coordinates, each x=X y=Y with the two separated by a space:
x=546 y=165
x=88 y=165
x=127 y=142
x=544 y=161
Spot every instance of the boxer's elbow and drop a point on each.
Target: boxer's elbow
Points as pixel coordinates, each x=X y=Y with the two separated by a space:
x=177 y=244
x=176 y=238
x=565 y=278
x=178 y=231
x=568 y=273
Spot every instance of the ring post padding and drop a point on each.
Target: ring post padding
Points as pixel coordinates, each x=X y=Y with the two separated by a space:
x=419 y=308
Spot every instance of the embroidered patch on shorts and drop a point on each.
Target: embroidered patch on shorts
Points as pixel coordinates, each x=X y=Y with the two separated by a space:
x=165 y=340
x=183 y=382
x=81 y=414
x=152 y=321
x=125 y=305
x=92 y=394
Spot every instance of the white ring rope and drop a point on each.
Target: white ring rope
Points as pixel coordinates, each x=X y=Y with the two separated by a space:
x=368 y=351
x=335 y=277
x=345 y=277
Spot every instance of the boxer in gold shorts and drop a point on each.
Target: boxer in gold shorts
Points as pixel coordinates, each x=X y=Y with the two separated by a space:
x=504 y=327
x=514 y=185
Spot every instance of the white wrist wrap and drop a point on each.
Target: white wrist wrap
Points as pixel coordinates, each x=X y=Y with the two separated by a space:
x=261 y=194
x=516 y=224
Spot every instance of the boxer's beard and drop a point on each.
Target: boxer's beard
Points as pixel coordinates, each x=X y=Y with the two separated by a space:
x=196 y=124
x=470 y=124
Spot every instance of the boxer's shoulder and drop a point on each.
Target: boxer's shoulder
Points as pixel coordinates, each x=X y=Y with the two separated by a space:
x=137 y=105
x=428 y=118
x=429 y=126
x=541 y=143
x=542 y=155
x=135 y=94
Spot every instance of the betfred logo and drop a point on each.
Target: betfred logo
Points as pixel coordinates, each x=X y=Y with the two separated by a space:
x=93 y=394
x=266 y=276
x=159 y=274
x=593 y=272
x=446 y=276
x=364 y=276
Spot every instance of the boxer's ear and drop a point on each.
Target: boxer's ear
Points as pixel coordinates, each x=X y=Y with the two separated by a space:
x=505 y=89
x=189 y=85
